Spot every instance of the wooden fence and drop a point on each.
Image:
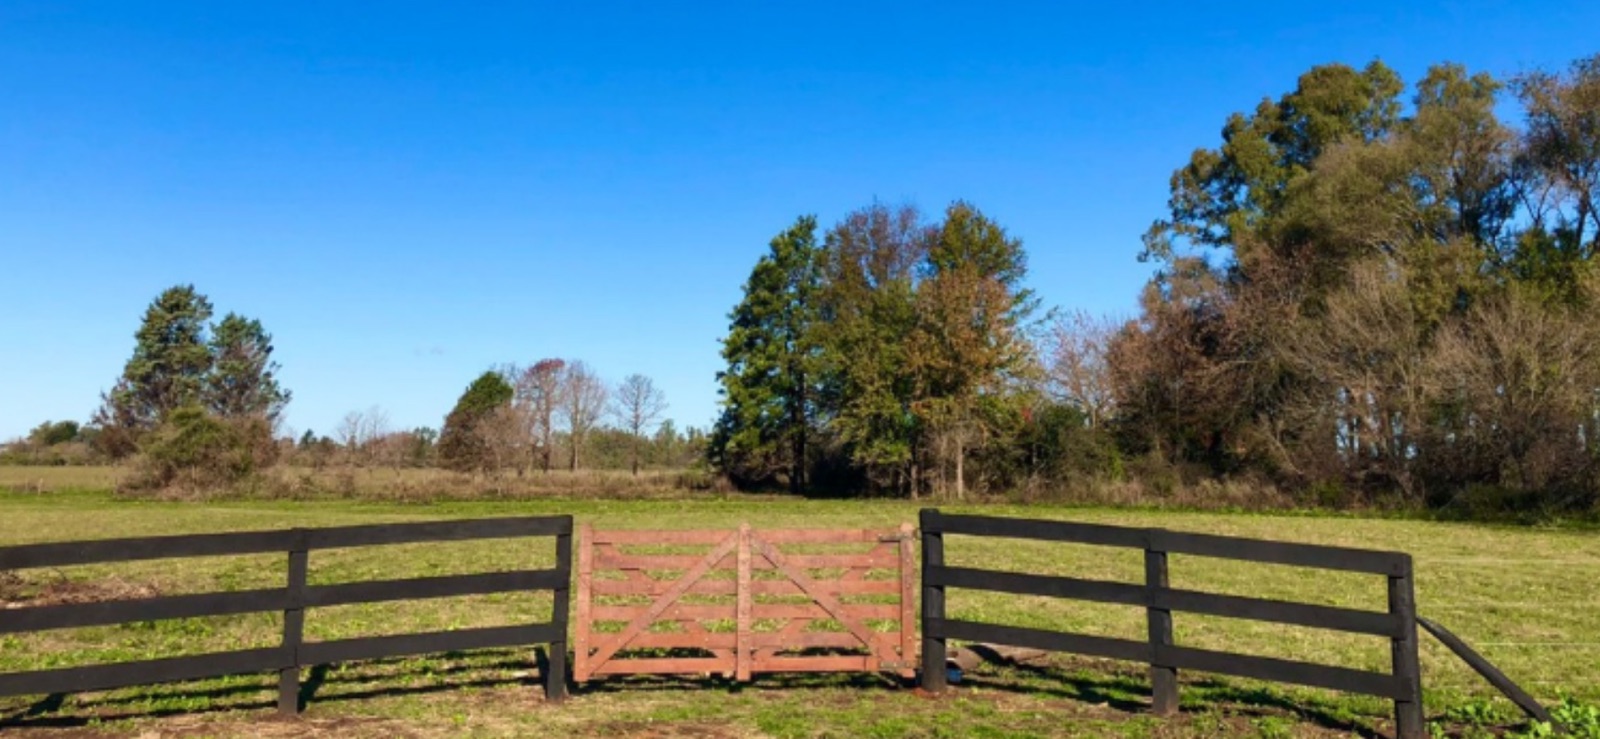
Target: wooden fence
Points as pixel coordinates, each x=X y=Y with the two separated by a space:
x=292 y=653
x=1398 y=624
x=676 y=607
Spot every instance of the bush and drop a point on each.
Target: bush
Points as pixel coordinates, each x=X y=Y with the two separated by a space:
x=196 y=451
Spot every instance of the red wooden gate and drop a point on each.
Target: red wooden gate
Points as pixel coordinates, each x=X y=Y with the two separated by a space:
x=745 y=601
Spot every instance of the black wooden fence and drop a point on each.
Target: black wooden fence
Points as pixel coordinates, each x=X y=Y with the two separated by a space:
x=292 y=653
x=1398 y=624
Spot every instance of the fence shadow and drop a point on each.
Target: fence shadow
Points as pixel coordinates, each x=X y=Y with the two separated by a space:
x=45 y=713
x=1129 y=692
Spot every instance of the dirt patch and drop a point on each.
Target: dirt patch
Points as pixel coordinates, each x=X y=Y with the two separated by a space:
x=674 y=730
x=17 y=591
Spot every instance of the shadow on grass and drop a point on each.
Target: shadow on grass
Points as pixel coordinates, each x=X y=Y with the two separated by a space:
x=1129 y=692
x=472 y=671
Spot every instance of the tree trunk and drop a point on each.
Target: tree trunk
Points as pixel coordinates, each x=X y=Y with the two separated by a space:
x=961 y=483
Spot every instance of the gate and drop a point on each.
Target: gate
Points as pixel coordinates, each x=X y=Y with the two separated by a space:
x=745 y=601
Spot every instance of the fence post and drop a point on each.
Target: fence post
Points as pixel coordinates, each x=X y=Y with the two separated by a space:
x=1163 y=679
x=744 y=624
x=1408 y=720
x=933 y=641
x=555 y=676
x=294 y=619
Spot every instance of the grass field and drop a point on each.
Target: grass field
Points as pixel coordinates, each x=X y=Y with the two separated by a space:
x=1527 y=599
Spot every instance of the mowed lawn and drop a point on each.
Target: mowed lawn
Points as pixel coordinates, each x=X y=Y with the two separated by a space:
x=1528 y=599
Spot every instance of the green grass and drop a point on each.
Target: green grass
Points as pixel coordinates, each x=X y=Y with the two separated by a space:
x=1526 y=598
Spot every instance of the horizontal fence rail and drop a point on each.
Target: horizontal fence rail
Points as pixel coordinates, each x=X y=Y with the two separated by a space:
x=293 y=653
x=1398 y=624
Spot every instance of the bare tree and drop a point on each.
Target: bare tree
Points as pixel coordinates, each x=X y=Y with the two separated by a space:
x=638 y=405
x=538 y=393
x=582 y=398
x=1076 y=367
x=359 y=431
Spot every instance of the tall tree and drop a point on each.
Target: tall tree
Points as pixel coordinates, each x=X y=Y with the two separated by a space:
x=243 y=379
x=967 y=342
x=169 y=366
x=582 y=400
x=637 y=404
x=538 y=392
x=770 y=349
x=871 y=262
x=1562 y=147
x=462 y=445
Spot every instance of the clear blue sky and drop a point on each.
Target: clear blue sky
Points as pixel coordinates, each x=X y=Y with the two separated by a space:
x=407 y=193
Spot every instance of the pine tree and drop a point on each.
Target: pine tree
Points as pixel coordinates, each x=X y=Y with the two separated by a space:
x=766 y=420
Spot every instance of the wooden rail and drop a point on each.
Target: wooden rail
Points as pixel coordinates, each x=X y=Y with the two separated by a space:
x=292 y=653
x=1398 y=624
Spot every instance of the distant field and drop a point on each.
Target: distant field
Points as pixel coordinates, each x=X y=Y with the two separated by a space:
x=1525 y=598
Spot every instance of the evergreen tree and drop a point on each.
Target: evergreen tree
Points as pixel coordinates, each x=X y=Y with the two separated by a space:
x=461 y=445
x=767 y=390
x=243 y=381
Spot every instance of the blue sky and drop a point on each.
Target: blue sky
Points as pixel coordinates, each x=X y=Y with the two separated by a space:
x=407 y=193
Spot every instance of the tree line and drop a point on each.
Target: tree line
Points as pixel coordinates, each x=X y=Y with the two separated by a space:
x=199 y=405
x=1359 y=295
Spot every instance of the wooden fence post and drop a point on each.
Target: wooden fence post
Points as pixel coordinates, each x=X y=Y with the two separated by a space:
x=1163 y=679
x=555 y=677
x=1408 y=719
x=744 y=608
x=294 y=619
x=933 y=647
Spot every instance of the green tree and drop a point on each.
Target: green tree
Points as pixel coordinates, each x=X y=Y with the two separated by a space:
x=967 y=345
x=167 y=371
x=243 y=378
x=867 y=309
x=768 y=387
x=461 y=445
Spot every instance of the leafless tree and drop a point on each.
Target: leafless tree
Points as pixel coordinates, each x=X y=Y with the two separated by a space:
x=538 y=394
x=359 y=431
x=638 y=405
x=1076 y=367
x=582 y=398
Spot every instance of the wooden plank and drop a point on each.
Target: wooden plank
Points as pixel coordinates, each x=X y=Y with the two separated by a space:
x=1280 y=552
x=659 y=587
x=62 y=554
x=934 y=677
x=609 y=559
x=146 y=672
x=834 y=663
x=294 y=620
x=41 y=618
x=820 y=639
x=1029 y=528
x=1054 y=641
x=826 y=536
x=340 y=537
x=1277 y=611
x=1278 y=670
x=1163 y=678
x=556 y=673
x=811 y=588
x=826 y=587
x=376 y=647
x=1099 y=591
x=681 y=640
x=708 y=537
x=908 y=612
x=678 y=589
x=582 y=665
x=445 y=586
x=745 y=624
x=1487 y=669
x=662 y=666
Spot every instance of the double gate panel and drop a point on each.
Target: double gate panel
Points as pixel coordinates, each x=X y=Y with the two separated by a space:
x=745 y=601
